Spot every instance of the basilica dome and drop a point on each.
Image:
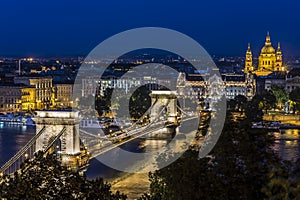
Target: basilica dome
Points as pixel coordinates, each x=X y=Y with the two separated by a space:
x=267 y=50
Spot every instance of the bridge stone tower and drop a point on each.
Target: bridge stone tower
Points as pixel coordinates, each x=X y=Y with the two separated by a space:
x=160 y=99
x=53 y=123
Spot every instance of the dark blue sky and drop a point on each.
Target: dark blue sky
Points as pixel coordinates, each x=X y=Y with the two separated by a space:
x=71 y=27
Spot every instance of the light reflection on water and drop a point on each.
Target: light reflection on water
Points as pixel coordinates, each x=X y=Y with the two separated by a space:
x=287 y=144
x=152 y=145
x=12 y=139
x=97 y=169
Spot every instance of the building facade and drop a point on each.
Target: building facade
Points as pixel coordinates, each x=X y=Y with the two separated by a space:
x=10 y=98
x=232 y=85
x=269 y=60
x=43 y=90
x=28 y=98
x=63 y=95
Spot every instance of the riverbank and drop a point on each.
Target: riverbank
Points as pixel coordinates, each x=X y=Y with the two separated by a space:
x=133 y=185
x=283 y=118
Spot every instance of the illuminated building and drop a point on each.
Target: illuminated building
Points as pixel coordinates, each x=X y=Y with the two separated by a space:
x=28 y=98
x=92 y=85
x=292 y=80
x=269 y=60
x=233 y=85
x=17 y=97
x=63 y=95
x=10 y=98
x=248 y=61
x=43 y=86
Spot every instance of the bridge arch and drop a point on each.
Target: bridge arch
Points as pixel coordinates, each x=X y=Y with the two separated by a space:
x=60 y=128
x=164 y=99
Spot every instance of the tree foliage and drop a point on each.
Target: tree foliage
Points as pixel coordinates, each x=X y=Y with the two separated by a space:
x=241 y=102
x=267 y=100
x=45 y=178
x=237 y=168
x=295 y=97
x=281 y=95
x=139 y=102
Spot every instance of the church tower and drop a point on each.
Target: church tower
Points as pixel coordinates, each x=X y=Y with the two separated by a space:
x=278 y=65
x=248 y=61
x=267 y=58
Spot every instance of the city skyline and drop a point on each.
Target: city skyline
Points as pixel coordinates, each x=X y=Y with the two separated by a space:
x=149 y=99
x=69 y=29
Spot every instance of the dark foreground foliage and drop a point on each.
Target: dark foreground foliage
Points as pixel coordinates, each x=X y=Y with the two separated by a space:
x=45 y=178
x=241 y=166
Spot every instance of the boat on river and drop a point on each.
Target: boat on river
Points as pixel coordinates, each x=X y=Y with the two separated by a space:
x=289 y=126
x=90 y=123
x=270 y=125
x=16 y=120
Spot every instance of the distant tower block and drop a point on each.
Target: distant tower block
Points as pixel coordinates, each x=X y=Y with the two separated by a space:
x=68 y=144
x=161 y=99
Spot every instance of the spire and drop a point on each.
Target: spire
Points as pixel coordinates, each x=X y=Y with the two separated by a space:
x=278 y=52
x=249 y=49
x=268 y=39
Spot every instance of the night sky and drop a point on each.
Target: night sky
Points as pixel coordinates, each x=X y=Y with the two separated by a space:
x=73 y=27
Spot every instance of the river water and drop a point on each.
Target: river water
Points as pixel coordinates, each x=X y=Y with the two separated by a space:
x=287 y=144
x=13 y=138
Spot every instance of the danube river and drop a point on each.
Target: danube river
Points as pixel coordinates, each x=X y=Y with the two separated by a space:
x=13 y=138
x=287 y=143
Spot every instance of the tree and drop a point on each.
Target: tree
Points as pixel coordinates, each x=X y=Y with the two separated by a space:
x=241 y=102
x=253 y=111
x=103 y=103
x=237 y=168
x=45 y=178
x=295 y=97
x=267 y=100
x=231 y=104
x=140 y=102
x=281 y=96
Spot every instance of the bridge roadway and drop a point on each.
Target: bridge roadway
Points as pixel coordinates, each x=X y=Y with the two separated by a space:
x=106 y=144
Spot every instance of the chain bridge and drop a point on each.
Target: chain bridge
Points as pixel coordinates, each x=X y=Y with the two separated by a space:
x=58 y=132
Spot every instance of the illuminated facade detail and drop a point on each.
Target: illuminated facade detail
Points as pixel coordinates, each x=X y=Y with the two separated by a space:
x=287 y=80
x=10 y=98
x=279 y=66
x=161 y=98
x=250 y=83
x=95 y=86
x=269 y=60
x=63 y=95
x=44 y=90
x=181 y=84
x=231 y=85
x=215 y=89
x=248 y=62
x=292 y=83
x=63 y=128
x=28 y=98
